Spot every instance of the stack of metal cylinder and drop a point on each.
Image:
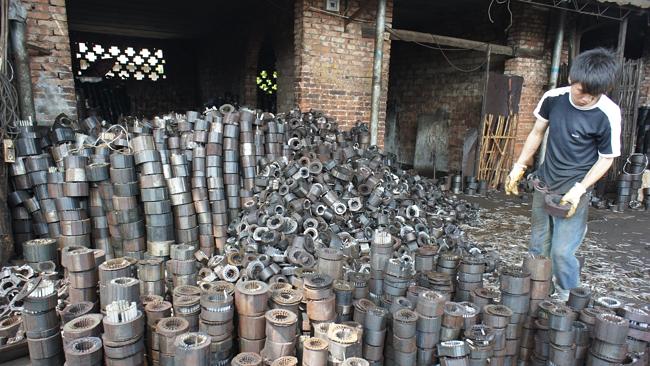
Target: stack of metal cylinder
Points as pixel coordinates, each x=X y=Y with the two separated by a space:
x=343 y=298
x=251 y=302
x=187 y=305
x=41 y=323
x=630 y=180
x=151 y=273
x=231 y=162
x=452 y=321
x=131 y=239
x=315 y=351
x=99 y=202
x=159 y=223
x=515 y=294
x=280 y=334
x=561 y=336
x=498 y=317
x=217 y=320
x=154 y=312
x=404 y=337
x=86 y=351
x=37 y=251
x=479 y=339
x=110 y=270
x=380 y=251
x=374 y=334
x=540 y=271
x=167 y=329
x=609 y=342
x=181 y=268
x=430 y=310
x=344 y=342
x=453 y=353
x=319 y=295
x=470 y=277
x=82 y=273
x=192 y=349
x=123 y=334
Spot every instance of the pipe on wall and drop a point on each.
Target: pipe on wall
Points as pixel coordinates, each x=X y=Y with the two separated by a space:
x=376 y=70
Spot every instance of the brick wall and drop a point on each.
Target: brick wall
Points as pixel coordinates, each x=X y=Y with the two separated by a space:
x=529 y=33
x=53 y=84
x=334 y=63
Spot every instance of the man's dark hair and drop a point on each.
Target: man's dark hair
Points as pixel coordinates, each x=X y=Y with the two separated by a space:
x=596 y=70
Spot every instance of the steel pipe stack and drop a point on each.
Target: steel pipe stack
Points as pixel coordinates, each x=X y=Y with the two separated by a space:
x=251 y=302
x=430 y=310
x=41 y=324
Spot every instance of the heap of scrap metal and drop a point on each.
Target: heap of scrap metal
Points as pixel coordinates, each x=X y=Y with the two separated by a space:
x=244 y=238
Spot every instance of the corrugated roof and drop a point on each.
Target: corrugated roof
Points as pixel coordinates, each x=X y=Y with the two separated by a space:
x=645 y=4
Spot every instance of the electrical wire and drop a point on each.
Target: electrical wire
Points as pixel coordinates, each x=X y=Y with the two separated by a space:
x=437 y=47
x=500 y=2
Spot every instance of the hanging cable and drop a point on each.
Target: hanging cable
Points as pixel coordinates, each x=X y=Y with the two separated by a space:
x=500 y=2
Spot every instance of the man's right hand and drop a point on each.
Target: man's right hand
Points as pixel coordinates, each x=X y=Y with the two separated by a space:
x=512 y=182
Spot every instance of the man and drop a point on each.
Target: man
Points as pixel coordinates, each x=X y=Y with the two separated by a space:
x=584 y=128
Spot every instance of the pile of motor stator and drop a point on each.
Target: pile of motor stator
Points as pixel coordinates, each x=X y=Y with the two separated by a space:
x=184 y=241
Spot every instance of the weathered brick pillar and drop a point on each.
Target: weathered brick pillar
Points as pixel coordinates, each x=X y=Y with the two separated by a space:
x=528 y=35
x=51 y=66
x=334 y=62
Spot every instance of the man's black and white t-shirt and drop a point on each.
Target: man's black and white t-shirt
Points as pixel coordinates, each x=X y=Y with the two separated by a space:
x=576 y=137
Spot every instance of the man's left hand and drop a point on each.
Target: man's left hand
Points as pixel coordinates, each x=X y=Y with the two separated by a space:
x=572 y=197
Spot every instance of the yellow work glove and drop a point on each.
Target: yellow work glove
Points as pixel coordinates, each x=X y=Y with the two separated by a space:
x=572 y=197
x=513 y=179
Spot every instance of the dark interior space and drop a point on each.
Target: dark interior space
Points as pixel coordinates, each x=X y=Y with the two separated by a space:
x=434 y=92
x=152 y=60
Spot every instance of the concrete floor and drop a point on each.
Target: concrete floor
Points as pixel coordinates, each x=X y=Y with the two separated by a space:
x=616 y=248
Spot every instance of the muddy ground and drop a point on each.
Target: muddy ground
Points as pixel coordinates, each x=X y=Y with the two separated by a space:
x=616 y=249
